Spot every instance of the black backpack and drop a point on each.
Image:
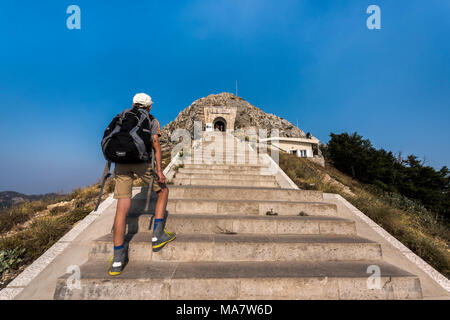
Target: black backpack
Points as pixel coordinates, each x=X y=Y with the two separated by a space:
x=127 y=139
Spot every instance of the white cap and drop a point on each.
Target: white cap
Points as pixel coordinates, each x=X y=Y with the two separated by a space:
x=143 y=99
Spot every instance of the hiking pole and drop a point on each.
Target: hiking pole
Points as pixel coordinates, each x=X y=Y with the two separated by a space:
x=105 y=176
x=150 y=185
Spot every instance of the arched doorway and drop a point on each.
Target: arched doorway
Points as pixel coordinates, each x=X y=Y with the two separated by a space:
x=220 y=124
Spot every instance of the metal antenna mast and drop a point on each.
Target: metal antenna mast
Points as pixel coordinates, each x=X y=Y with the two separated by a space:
x=236 y=89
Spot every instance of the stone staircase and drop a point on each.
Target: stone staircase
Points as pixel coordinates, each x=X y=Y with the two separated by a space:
x=241 y=236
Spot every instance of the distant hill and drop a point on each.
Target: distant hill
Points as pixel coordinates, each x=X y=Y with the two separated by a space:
x=10 y=198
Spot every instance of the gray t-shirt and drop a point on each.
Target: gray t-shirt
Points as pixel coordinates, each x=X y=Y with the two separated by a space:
x=154 y=128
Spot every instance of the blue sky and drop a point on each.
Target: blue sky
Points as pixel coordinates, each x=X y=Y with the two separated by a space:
x=314 y=61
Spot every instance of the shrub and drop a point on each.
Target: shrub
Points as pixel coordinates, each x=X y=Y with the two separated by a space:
x=177 y=167
x=271 y=213
x=10 y=259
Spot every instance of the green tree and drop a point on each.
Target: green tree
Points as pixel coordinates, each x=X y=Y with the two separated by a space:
x=355 y=156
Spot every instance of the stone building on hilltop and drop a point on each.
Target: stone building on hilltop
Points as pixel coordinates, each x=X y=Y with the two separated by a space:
x=229 y=113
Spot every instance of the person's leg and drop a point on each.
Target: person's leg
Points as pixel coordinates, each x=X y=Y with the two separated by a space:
x=122 y=192
x=160 y=236
x=161 y=213
x=120 y=249
x=161 y=204
x=123 y=206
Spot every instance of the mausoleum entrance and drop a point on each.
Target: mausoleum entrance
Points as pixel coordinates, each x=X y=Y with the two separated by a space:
x=220 y=124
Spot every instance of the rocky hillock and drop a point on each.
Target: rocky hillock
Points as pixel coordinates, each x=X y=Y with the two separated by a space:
x=247 y=116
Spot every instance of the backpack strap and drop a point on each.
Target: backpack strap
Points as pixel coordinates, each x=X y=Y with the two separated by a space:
x=140 y=145
x=148 y=116
x=122 y=115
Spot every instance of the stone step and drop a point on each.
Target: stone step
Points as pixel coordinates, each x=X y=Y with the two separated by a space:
x=227 y=162
x=208 y=224
x=243 y=247
x=218 y=176
x=240 y=207
x=240 y=281
x=236 y=150
x=231 y=155
x=235 y=193
x=225 y=182
x=225 y=153
x=231 y=151
x=226 y=143
x=210 y=151
x=240 y=172
x=226 y=166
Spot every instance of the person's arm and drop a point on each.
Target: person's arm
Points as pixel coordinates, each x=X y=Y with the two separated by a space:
x=157 y=148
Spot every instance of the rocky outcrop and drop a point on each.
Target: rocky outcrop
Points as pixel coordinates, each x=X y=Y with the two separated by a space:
x=247 y=116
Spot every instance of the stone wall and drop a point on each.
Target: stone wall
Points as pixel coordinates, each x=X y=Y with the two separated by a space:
x=210 y=113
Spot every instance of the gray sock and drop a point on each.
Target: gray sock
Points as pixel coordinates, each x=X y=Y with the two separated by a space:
x=120 y=254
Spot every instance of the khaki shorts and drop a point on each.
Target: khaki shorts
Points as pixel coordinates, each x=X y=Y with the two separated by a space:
x=125 y=172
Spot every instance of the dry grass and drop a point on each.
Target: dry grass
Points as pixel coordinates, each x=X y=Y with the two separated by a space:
x=43 y=228
x=20 y=214
x=59 y=209
x=406 y=220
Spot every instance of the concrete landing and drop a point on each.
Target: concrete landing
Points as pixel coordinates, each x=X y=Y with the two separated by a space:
x=241 y=280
